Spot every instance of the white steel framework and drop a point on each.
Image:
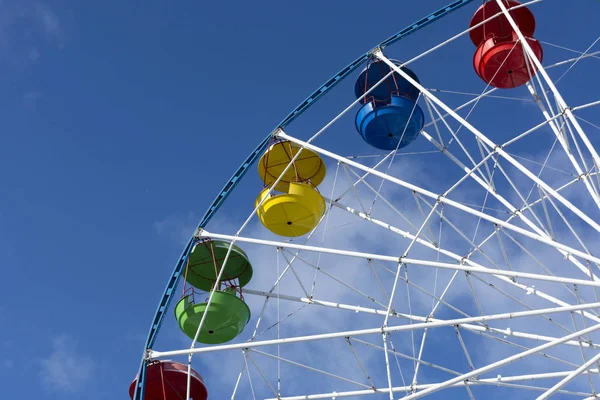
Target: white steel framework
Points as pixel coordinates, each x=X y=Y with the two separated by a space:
x=415 y=283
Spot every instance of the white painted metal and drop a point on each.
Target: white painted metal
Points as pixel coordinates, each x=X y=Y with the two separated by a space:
x=569 y=377
x=500 y=363
x=420 y=234
x=499 y=381
x=564 y=143
x=469 y=327
x=428 y=325
x=542 y=71
x=402 y=259
x=439 y=198
x=496 y=148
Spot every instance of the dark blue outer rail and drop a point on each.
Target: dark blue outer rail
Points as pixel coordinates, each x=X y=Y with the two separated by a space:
x=167 y=296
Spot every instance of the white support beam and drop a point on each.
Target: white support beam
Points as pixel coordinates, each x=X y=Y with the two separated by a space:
x=434 y=324
x=501 y=363
x=418 y=318
x=517 y=213
x=559 y=99
x=496 y=148
x=569 y=378
x=445 y=200
x=498 y=381
x=564 y=142
x=395 y=259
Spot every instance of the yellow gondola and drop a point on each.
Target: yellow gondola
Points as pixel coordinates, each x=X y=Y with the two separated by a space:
x=307 y=167
x=293 y=213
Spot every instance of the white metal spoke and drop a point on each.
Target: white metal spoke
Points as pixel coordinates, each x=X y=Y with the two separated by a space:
x=569 y=378
x=433 y=120
x=591 y=104
x=294 y=273
x=352 y=288
x=429 y=325
x=480 y=329
x=499 y=232
x=297 y=364
x=407 y=357
x=544 y=74
x=447 y=201
x=491 y=144
x=388 y=203
x=564 y=143
x=576 y=61
x=406 y=260
x=514 y=210
x=479 y=95
x=500 y=363
x=460 y=258
x=516 y=300
x=248 y=356
x=505 y=381
x=564 y=48
x=455 y=138
x=360 y=363
x=249 y=376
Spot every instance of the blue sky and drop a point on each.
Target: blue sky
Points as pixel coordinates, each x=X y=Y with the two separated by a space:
x=121 y=122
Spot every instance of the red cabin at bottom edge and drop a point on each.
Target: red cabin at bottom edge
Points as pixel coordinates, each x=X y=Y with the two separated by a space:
x=167 y=380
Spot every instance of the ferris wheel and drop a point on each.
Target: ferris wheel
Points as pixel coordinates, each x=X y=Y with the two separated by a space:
x=435 y=237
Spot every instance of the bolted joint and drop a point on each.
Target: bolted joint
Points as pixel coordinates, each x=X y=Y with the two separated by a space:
x=376 y=52
x=148 y=355
x=275 y=134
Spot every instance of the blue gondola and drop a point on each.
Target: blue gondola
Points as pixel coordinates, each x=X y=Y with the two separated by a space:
x=390 y=126
x=374 y=72
x=389 y=118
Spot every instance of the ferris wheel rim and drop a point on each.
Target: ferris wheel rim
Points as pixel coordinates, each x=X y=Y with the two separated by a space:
x=176 y=273
x=254 y=155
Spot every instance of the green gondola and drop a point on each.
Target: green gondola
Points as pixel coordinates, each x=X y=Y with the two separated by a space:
x=206 y=260
x=227 y=317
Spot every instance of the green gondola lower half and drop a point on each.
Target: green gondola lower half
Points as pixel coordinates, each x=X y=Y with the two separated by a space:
x=228 y=314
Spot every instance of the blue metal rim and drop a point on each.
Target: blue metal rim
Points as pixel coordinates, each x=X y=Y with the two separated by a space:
x=175 y=276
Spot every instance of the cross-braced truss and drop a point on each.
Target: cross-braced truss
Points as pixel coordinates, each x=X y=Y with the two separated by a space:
x=466 y=264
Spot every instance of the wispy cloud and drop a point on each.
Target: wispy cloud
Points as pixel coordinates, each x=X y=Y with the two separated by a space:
x=65 y=369
x=48 y=20
x=27 y=29
x=177 y=227
x=30 y=99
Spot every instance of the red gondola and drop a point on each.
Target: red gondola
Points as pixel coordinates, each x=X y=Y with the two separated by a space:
x=500 y=59
x=167 y=380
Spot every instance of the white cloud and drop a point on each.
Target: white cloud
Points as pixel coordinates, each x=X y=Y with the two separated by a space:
x=30 y=99
x=48 y=20
x=65 y=369
x=28 y=29
x=177 y=228
x=34 y=54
